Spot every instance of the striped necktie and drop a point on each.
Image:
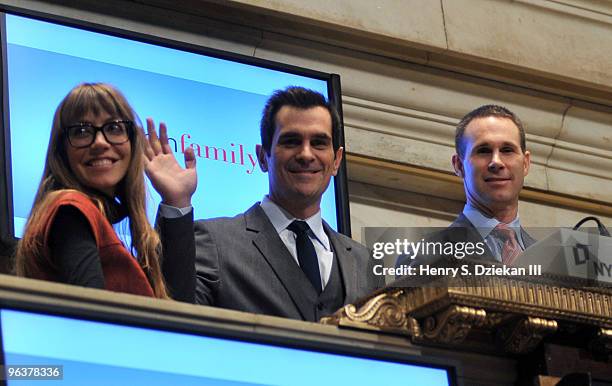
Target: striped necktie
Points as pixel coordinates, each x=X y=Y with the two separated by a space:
x=510 y=247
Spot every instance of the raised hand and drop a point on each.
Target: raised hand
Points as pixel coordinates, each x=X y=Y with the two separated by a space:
x=175 y=184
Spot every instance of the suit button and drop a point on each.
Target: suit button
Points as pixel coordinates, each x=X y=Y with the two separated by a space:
x=320 y=306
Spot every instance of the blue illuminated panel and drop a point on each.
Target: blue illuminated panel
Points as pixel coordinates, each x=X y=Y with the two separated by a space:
x=213 y=104
x=94 y=353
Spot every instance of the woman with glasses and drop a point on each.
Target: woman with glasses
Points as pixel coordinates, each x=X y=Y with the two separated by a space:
x=94 y=177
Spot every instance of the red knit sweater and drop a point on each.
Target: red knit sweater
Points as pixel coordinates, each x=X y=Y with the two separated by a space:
x=122 y=273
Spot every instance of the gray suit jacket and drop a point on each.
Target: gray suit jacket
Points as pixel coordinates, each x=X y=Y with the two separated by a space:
x=471 y=234
x=460 y=230
x=242 y=264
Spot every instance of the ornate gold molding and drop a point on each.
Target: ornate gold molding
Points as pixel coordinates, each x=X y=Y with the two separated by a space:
x=602 y=342
x=524 y=336
x=524 y=296
x=512 y=314
x=383 y=312
x=451 y=325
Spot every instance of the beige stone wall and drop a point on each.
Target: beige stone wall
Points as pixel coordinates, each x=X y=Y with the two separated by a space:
x=376 y=206
x=410 y=69
x=554 y=39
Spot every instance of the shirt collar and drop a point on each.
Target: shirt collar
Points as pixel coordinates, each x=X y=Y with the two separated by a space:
x=485 y=224
x=281 y=219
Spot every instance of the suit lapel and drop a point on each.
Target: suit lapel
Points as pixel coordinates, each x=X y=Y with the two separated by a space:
x=345 y=261
x=273 y=250
x=527 y=239
x=471 y=234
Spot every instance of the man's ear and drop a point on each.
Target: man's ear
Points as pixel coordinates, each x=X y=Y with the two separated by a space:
x=526 y=163
x=337 y=160
x=458 y=165
x=261 y=158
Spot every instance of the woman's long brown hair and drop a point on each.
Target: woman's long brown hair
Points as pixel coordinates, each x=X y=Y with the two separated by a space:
x=94 y=98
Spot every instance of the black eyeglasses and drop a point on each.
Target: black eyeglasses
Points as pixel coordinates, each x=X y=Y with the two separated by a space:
x=84 y=134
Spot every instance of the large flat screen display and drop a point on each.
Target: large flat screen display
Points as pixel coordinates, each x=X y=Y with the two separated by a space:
x=211 y=104
x=95 y=353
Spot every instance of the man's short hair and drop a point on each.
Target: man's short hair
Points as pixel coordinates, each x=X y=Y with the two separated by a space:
x=484 y=112
x=301 y=98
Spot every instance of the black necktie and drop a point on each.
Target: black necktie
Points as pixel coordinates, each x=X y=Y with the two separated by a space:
x=307 y=256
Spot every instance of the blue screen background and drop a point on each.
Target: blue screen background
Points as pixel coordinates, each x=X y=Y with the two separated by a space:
x=216 y=102
x=95 y=353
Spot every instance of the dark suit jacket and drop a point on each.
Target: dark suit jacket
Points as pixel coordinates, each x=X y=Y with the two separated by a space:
x=242 y=264
x=471 y=234
x=461 y=230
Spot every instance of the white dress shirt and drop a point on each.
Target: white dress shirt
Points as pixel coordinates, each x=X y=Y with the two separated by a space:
x=281 y=219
